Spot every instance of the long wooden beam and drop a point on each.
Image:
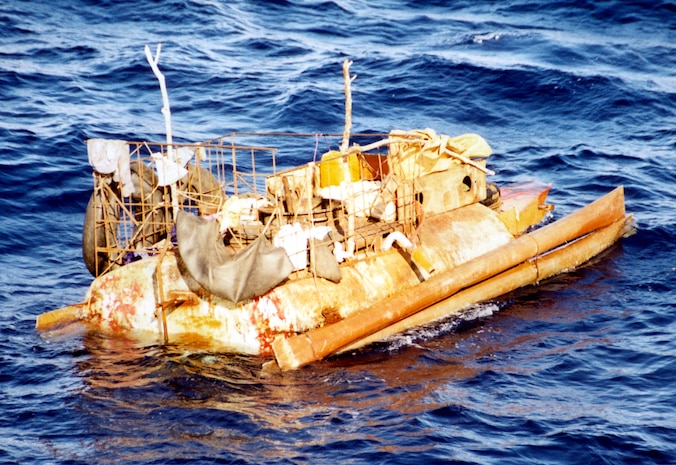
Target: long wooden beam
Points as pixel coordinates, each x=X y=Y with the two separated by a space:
x=60 y=317
x=296 y=351
x=545 y=266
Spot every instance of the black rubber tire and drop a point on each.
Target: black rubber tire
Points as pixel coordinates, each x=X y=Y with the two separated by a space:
x=94 y=233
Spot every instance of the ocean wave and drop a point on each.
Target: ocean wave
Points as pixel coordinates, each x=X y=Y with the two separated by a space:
x=576 y=94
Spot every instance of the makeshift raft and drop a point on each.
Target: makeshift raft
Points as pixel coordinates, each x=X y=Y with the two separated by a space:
x=210 y=244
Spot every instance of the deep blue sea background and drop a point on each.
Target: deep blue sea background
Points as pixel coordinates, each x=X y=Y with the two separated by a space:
x=581 y=94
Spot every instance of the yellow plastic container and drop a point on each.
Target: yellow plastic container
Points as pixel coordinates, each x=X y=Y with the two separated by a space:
x=332 y=168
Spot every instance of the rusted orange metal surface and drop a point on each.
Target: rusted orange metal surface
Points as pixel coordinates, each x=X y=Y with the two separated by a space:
x=523 y=205
x=128 y=299
x=313 y=345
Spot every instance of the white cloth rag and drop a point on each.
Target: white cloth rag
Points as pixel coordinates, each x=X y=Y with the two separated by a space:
x=112 y=156
x=169 y=171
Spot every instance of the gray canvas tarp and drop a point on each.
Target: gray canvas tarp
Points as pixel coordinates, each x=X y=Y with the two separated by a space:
x=236 y=277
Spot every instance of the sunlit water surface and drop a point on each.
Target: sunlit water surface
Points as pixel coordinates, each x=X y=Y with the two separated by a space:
x=579 y=369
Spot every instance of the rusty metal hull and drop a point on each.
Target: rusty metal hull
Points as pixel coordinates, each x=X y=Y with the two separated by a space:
x=155 y=299
x=131 y=299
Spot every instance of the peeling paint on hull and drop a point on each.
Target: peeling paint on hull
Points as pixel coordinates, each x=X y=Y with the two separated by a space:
x=127 y=299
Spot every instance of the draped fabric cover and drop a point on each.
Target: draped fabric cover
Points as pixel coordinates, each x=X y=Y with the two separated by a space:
x=236 y=277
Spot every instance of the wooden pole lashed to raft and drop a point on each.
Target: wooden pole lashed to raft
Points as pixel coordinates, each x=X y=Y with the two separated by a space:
x=344 y=147
x=318 y=343
x=345 y=144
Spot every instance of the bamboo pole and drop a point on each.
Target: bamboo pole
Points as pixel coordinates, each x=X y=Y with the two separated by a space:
x=530 y=272
x=318 y=343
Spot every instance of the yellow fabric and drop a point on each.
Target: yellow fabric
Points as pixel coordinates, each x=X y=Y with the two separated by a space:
x=425 y=152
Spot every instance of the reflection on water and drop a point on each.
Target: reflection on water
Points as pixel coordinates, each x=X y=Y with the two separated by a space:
x=135 y=394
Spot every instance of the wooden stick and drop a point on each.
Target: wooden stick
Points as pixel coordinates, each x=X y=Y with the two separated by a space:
x=318 y=343
x=166 y=111
x=348 y=106
x=469 y=162
x=165 y=96
x=160 y=290
x=394 y=140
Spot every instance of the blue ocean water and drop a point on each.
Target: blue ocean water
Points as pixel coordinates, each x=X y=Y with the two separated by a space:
x=581 y=94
